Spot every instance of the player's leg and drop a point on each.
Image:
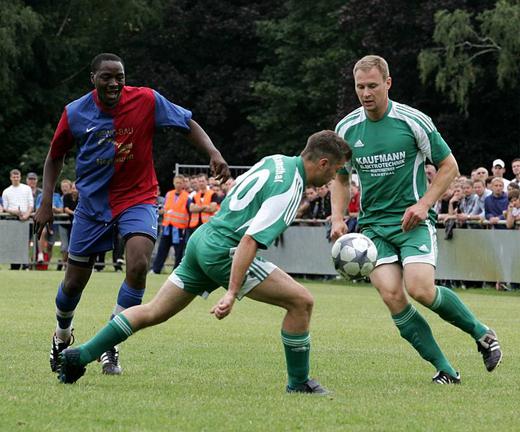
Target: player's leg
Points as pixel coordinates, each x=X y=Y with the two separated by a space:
x=279 y=289
x=412 y=326
x=165 y=242
x=167 y=302
x=419 y=275
x=87 y=238
x=138 y=226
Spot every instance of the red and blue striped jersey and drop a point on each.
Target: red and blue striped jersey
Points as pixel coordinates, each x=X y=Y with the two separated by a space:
x=114 y=161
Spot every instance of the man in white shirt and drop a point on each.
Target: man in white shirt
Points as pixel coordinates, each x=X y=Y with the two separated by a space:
x=18 y=201
x=18 y=198
x=498 y=169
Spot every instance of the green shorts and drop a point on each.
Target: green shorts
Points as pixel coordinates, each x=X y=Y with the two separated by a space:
x=393 y=244
x=207 y=264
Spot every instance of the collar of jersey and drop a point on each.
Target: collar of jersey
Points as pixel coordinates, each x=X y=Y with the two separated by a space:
x=299 y=164
x=388 y=109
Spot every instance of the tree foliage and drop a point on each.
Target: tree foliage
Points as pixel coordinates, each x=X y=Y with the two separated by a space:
x=465 y=43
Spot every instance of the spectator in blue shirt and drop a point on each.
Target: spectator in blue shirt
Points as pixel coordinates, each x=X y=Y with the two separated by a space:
x=496 y=204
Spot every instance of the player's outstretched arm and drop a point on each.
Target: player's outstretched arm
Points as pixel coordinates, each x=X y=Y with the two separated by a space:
x=339 y=197
x=414 y=215
x=51 y=171
x=244 y=256
x=200 y=139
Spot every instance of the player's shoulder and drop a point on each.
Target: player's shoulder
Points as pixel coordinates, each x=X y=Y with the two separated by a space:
x=142 y=93
x=351 y=119
x=413 y=115
x=81 y=103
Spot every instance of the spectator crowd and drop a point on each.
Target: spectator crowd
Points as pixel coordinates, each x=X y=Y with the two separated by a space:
x=477 y=201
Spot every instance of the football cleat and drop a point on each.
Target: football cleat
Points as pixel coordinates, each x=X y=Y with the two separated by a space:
x=310 y=386
x=70 y=368
x=442 y=377
x=489 y=347
x=110 y=362
x=56 y=348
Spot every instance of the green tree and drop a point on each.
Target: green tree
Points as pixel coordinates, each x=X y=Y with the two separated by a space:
x=465 y=45
x=303 y=52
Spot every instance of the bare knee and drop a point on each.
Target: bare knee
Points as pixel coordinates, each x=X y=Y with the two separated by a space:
x=422 y=293
x=303 y=302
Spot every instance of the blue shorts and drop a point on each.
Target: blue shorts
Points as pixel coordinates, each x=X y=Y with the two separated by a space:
x=89 y=237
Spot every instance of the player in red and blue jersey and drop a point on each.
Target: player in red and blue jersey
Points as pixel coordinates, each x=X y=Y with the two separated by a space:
x=112 y=128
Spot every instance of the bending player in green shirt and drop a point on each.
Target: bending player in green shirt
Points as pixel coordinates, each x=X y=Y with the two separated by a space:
x=222 y=252
x=391 y=143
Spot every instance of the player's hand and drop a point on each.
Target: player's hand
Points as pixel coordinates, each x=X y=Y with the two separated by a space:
x=41 y=218
x=219 y=167
x=337 y=229
x=223 y=308
x=413 y=216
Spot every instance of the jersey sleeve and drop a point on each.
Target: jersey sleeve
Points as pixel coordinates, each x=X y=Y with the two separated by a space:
x=277 y=211
x=167 y=114
x=63 y=139
x=439 y=149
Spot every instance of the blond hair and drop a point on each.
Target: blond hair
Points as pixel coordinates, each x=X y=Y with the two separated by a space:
x=370 y=61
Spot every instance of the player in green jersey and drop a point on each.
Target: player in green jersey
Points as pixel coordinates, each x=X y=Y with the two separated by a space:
x=222 y=252
x=391 y=143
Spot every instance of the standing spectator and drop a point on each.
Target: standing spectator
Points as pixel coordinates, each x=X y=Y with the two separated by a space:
x=431 y=172
x=515 y=166
x=496 y=203
x=32 y=182
x=63 y=226
x=175 y=221
x=18 y=201
x=112 y=128
x=498 y=169
x=70 y=201
x=353 y=207
x=513 y=210
x=469 y=208
x=481 y=173
x=479 y=186
x=441 y=207
x=309 y=204
x=204 y=204
x=47 y=238
x=324 y=208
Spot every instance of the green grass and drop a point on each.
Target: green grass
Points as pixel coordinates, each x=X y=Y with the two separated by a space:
x=195 y=373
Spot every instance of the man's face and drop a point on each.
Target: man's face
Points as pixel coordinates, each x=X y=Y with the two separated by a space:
x=497 y=187
x=32 y=182
x=372 y=91
x=15 y=179
x=310 y=194
x=203 y=183
x=325 y=171
x=178 y=183
x=516 y=168
x=481 y=174
x=109 y=81
x=430 y=172
x=65 y=188
x=498 y=171
x=478 y=188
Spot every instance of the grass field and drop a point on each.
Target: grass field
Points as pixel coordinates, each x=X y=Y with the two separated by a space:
x=195 y=373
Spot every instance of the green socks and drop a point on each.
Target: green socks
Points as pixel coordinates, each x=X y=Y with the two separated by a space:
x=116 y=331
x=414 y=328
x=450 y=308
x=297 y=353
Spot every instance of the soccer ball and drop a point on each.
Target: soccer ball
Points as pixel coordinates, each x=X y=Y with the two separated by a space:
x=354 y=256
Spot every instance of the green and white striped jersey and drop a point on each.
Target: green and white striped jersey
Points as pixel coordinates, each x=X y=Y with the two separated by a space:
x=264 y=200
x=389 y=157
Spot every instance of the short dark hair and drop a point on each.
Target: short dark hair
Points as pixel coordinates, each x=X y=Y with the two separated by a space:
x=515 y=193
x=326 y=143
x=96 y=61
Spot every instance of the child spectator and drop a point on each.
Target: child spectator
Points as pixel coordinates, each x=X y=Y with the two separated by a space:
x=496 y=203
x=513 y=209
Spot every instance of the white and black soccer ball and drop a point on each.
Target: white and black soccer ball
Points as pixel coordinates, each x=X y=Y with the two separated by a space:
x=354 y=256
